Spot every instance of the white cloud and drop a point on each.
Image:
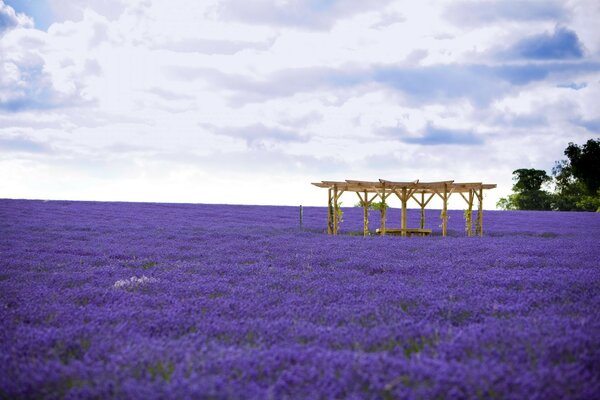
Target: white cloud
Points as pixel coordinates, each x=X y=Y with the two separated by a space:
x=157 y=101
x=9 y=19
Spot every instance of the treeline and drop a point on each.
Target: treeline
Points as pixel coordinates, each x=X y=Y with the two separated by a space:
x=573 y=186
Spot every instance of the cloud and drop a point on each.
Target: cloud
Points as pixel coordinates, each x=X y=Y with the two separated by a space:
x=433 y=84
x=311 y=14
x=258 y=134
x=433 y=136
x=9 y=19
x=592 y=125
x=168 y=94
x=474 y=13
x=100 y=33
x=26 y=85
x=515 y=121
x=443 y=36
x=563 y=44
x=303 y=121
x=21 y=144
x=283 y=83
x=388 y=19
x=44 y=71
x=214 y=46
x=439 y=83
x=572 y=85
x=44 y=13
x=261 y=160
x=478 y=83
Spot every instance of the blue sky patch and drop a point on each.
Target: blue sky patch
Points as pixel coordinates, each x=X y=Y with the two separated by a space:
x=563 y=44
x=39 y=10
x=22 y=144
x=433 y=136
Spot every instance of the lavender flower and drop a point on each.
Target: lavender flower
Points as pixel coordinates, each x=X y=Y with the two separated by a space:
x=124 y=300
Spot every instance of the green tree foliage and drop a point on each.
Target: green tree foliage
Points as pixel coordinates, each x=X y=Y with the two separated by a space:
x=576 y=182
x=528 y=193
x=374 y=205
x=380 y=206
x=585 y=164
x=569 y=190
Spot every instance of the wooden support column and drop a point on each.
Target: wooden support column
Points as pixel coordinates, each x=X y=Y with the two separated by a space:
x=383 y=210
x=365 y=204
x=422 y=204
x=366 y=215
x=329 y=213
x=445 y=211
x=480 y=213
x=469 y=214
x=404 y=200
x=335 y=209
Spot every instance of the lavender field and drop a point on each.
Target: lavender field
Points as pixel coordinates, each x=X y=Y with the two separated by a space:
x=125 y=300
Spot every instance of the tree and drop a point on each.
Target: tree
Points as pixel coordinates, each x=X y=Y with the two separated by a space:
x=568 y=189
x=585 y=164
x=577 y=180
x=576 y=183
x=528 y=193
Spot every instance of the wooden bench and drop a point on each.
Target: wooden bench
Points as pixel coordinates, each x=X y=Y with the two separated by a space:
x=408 y=231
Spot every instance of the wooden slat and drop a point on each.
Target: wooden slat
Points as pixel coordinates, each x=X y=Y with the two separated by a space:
x=432 y=185
x=429 y=199
x=399 y=185
x=360 y=197
x=463 y=196
x=417 y=200
x=406 y=231
x=466 y=184
x=419 y=186
x=364 y=183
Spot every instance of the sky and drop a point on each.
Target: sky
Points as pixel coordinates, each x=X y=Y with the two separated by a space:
x=248 y=102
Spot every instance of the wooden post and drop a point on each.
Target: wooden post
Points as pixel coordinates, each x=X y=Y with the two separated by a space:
x=445 y=211
x=422 y=210
x=469 y=215
x=383 y=212
x=403 y=200
x=335 y=209
x=366 y=215
x=480 y=213
x=301 y=215
x=329 y=213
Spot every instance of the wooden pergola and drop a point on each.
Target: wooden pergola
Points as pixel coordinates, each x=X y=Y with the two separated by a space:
x=421 y=192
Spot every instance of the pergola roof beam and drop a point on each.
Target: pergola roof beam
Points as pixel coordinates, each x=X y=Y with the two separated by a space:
x=419 y=187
